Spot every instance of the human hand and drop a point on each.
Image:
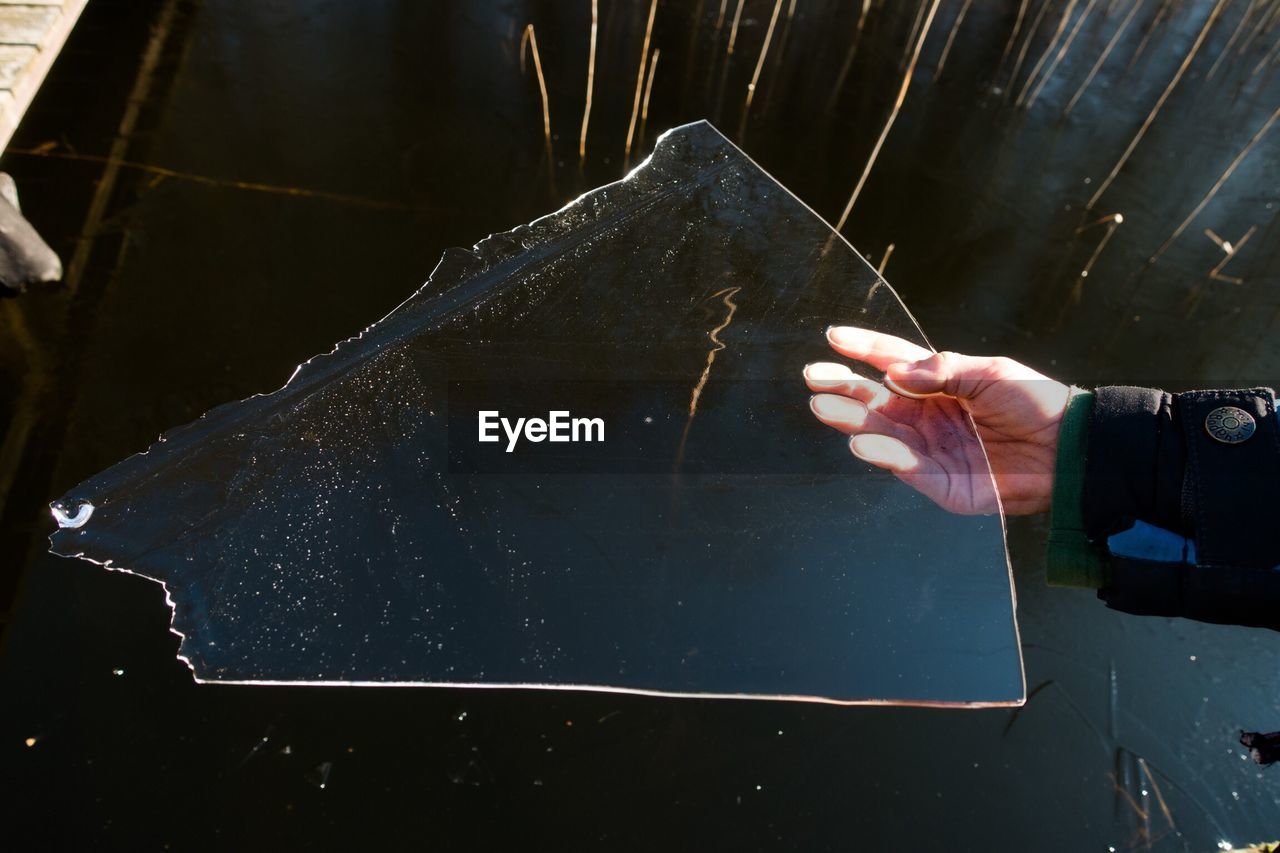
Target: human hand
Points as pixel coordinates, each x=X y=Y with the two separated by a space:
x=916 y=424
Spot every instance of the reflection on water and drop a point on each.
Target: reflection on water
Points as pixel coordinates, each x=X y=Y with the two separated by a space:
x=196 y=293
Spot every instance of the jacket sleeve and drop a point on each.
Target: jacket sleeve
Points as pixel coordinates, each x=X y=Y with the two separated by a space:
x=1169 y=504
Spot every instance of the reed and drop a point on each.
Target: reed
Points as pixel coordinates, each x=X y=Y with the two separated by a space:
x=1217 y=185
x=1161 y=10
x=648 y=87
x=1262 y=24
x=1066 y=46
x=951 y=37
x=893 y=116
x=1053 y=42
x=764 y=51
x=1102 y=58
x=644 y=59
x=1026 y=45
x=1164 y=96
x=884 y=262
x=1013 y=36
x=848 y=59
x=591 y=77
x=911 y=39
x=530 y=39
x=733 y=30
x=1235 y=34
x=1267 y=58
x=720 y=18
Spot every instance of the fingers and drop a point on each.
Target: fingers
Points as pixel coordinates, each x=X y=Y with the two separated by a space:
x=917 y=471
x=853 y=416
x=874 y=348
x=827 y=377
x=950 y=373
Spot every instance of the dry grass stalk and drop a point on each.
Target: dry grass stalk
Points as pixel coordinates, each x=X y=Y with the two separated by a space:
x=720 y=17
x=591 y=77
x=764 y=51
x=1066 y=46
x=733 y=30
x=1053 y=42
x=644 y=59
x=884 y=262
x=893 y=116
x=1013 y=36
x=848 y=59
x=951 y=37
x=1235 y=34
x=1106 y=52
x=1264 y=21
x=1267 y=58
x=1164 y=96
x=1146 y=35
x=648 y=87
x=911 y=39
x=1217 y=185
x=532 y=40
x=1026 y=45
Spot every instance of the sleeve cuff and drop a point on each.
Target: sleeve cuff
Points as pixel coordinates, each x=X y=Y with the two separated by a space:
x=1071 y=559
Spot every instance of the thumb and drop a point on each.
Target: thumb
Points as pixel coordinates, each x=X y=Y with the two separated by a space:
x=949 y=373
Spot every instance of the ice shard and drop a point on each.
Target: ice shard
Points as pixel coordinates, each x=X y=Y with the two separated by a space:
x=351 y=527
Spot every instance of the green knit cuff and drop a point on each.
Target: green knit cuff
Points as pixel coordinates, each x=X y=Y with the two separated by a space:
x=1072 y=560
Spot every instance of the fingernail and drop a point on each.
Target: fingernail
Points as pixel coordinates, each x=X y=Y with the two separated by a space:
x=900 y=391
x=833 y=407
x=827 y=373
x=845 y=335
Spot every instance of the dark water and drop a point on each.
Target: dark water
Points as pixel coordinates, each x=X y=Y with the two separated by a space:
x=196 y=290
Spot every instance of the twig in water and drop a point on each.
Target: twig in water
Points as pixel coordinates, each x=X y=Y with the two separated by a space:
x=1053 y=42
x=764 y=51
x=1235 y=34
x=591 y=76
x=1066 y=46
x=733 y=30
x=1111 y=45
x=1164 y=807
x=1231 y=251
x=206 y=180
x=951 y=37
x=532 y=40
x=1164 y=96
x=1217 y=185
x=893 y=116
x=644 y=58
x=1026 y=45
x=884 y=262
x=1113 y=221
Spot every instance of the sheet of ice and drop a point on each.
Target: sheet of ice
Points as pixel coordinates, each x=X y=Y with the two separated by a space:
x=348 y=528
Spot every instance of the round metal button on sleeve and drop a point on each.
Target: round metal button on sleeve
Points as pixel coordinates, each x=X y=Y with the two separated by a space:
x=1230 y=425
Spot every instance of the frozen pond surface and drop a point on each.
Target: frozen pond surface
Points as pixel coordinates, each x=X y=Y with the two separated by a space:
x=393 y=132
